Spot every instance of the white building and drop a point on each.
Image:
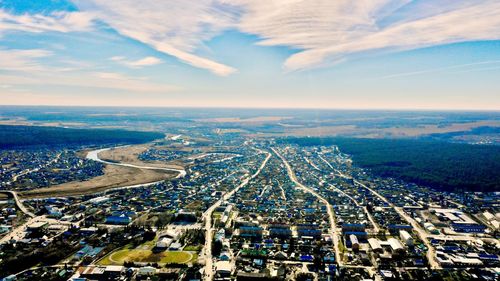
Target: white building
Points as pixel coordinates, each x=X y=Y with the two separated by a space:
x=375 y=245
x=406 y=238
x=354 y=242
x=396 y=246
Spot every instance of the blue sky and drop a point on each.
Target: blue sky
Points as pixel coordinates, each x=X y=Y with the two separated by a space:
x=391 y=54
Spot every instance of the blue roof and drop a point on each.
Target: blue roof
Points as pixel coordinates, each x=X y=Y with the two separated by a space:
x=488 y=256
x=357 y=233
x=400 y=226
x=118 y=219
x=306 y=258
x=251 y=227
x=329 y=258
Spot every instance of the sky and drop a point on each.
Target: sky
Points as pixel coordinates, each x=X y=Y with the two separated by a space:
x=363 y=54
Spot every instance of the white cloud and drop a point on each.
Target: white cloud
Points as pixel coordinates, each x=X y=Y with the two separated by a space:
x=176 y=28
x=36 y=23
x=22 y=68
x=440 y=69
x=146 y=61
x=331 y=31
x=324 y=31
x=102 y=80
x=22 y=60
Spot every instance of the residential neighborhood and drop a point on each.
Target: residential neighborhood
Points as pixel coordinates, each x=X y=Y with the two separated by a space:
x=248 y=210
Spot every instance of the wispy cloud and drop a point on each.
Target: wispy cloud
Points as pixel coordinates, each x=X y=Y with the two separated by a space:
x=22 y=60
x=22 y=68
x=147 y=61
x=57 y=21
x=324 y=31
x=441 y=69
x=329 y=31
x=102 y=80
x=176 y=28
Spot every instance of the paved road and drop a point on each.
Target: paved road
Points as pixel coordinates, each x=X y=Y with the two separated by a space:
x=331 y=217
x=19 y=204
x=207 y=216
x=14 y=178
x=94 y=155
x=18 y=232
x=420 y=232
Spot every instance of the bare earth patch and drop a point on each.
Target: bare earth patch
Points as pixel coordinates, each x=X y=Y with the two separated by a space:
x=130 y=155
x=115 y=176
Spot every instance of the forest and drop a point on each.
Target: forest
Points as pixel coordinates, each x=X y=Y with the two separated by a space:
x=29 y=136
x=441 y=165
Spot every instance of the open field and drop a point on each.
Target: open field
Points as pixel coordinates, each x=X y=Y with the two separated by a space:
x=115 y=176
x=130 y=154
x=367 y=132
x=434 y=129
x=257 y=119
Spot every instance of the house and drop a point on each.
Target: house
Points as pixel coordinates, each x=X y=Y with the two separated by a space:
x=280 y=231
x=250 y=231
x=223 y=268
x=406 y=238
x=308 y=230
x=176 y=246
x=468 y=227
x=163 y=243
x=375 y=245
x=119 y=220
x=354 y=242
x=93 y=272
x=395 y=245
x=88 y=230
x=113 y=271
x=38 y=227
x=224 y=256
x=280 y=255
x=146 y=271
x=5 y=228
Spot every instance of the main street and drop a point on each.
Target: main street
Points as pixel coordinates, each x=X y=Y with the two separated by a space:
x=329 y=208
x=420 y=232
x=18 y=202
x=207 y=216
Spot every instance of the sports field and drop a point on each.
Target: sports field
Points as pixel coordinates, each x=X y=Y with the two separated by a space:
x=140 y=255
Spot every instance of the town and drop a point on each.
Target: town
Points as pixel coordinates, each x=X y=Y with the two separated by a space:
x=238 y=209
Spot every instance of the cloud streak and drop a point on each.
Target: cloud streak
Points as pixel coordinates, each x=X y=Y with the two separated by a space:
x=176 y=28
x=22 y=68
x=330 y=31
x=440 y=69
x=101 y=80
x=37 y=23
x=324 y=31
x=22 y=60
x=146 y=61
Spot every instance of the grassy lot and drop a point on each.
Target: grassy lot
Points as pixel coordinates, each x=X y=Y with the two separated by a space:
x=193 y=248
x=138 y=255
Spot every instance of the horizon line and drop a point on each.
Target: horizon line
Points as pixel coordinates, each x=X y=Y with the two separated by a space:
x=261 y=108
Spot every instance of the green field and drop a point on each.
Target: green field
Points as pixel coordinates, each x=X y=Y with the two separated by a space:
x=139 y=255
